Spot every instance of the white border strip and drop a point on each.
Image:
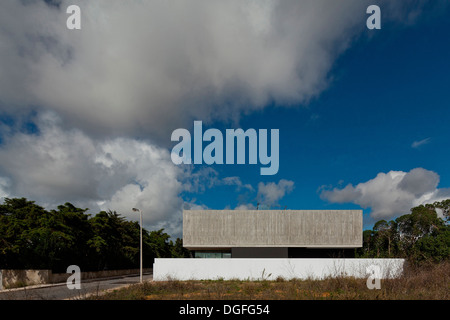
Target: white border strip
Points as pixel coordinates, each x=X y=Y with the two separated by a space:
x=270 y=269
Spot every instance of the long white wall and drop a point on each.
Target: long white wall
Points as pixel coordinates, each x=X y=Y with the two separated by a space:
x=270 y=269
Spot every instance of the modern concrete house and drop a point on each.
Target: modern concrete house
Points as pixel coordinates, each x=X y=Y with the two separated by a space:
x=272 y=233
x=272 y=244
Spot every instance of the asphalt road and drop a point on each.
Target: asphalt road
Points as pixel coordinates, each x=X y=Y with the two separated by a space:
x=61 y=292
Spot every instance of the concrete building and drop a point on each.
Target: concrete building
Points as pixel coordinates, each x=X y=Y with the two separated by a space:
x=272 y=233
x=273 y=244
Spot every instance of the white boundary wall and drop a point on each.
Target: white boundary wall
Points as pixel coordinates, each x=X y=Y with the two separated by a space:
x=270 y=269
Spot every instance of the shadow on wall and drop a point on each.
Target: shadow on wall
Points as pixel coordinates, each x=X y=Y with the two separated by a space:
x=21 y=278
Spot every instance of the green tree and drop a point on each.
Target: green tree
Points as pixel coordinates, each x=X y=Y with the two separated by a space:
x=107 y=241
x=73 y=228
x=178 y=251
x=384 y=234
x=34 y=238
x=366 y=250
x=422 y=221
x=433 y=247
x=418 y=236
x=445 y=207
x=17 y=217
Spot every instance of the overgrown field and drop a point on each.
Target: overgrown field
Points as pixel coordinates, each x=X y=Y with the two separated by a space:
x=427 y=282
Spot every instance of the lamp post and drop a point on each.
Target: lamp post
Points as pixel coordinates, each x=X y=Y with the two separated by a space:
x=140 y=249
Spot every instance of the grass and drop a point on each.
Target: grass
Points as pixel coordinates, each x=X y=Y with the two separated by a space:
x=431 y=282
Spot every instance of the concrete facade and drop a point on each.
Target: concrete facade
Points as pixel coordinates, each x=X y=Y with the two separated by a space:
x=271 y=269
x=216 y=229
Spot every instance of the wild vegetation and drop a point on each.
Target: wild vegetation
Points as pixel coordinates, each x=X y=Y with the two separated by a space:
x=421 y=236
x=427 y=282
x=34 y=238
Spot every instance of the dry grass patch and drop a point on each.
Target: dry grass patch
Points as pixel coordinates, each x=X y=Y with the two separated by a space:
x=428 y=282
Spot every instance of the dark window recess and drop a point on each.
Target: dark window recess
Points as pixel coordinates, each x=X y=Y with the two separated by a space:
x=259 y=252
x=320 y=253
x=212 y=254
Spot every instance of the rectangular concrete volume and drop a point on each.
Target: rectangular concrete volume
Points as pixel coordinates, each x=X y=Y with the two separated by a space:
x=203 y=229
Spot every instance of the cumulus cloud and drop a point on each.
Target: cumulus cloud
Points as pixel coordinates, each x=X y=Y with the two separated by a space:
x=270 y=193
x=144 y=68
x=236 y=181
x=199 y=180
x=391 y=194
x=147 y=67
x=57 y=165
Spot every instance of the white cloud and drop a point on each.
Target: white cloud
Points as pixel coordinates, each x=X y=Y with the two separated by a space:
x=236 y=181
x=206 y=177
x=419 y=143
x=59 y=165
x=144 y=68
x=148 y=67
x=270 y=193
x=391 y=194
x=247 y=206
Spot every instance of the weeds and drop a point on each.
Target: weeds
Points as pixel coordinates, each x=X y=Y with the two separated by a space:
x=426 y=282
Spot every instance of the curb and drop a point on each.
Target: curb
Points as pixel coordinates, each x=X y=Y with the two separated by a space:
x=102 y=292
x=46 y=285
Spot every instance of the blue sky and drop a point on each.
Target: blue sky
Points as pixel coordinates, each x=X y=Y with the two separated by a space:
x=86 y=115
x=386 y=93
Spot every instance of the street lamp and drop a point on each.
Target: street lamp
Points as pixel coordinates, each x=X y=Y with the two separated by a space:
x=140 y=212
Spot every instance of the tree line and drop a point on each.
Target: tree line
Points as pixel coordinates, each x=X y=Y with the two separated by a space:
x=420 y=236
x=32 y=237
